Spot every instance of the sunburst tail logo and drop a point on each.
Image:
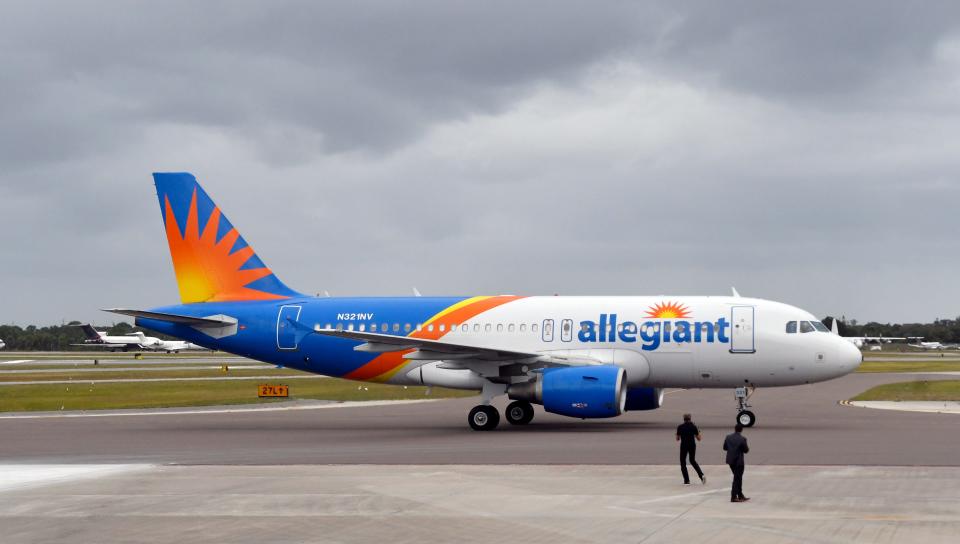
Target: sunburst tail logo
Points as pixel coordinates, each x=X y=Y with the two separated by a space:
x=668 y=310
x=212 y=262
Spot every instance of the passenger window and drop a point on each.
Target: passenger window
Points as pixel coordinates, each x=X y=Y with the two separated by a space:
x=339 y=326
x=548 y=330
x=327 y=326
x=396 y=327
x=523 y=327
x=349 y=326
x=406 y=327
x=666 y=327
x=499 y=327
x=792 y=327
x=443 y=327
x=373 y=327
x=419 y=327
x=566 y=330
x=534 y=327
x=488 y=327
x=476 y=327
x=430 y=327
x=464 y=327
x=511 y=327
x=805 y=326
x=363 y=327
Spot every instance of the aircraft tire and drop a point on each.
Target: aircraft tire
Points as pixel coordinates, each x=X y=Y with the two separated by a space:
x=746 y=418
x=519 y=412
x=483 y=418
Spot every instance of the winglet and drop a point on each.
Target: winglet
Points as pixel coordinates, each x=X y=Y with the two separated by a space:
x=735 y=293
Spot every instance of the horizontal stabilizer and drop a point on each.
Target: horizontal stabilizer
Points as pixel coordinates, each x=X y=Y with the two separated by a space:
x=212 y=321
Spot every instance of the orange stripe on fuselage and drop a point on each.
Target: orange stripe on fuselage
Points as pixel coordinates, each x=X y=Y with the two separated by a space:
x=384 y=366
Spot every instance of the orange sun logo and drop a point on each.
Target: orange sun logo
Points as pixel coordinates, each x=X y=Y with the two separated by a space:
x=668 y=310
x=206 y=269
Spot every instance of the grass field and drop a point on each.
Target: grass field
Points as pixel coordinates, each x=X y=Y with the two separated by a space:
x=141 y=374
x=912 y=366
x=939 y=390
x=80 y=396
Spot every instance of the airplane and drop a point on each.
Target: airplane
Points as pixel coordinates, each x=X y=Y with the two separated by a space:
x=2 y=344
x=926 y=345
x=861 y=341
x=133 y=341
x=578 y=356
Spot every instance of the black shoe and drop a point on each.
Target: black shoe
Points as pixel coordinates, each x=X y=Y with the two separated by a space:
x=686 y=483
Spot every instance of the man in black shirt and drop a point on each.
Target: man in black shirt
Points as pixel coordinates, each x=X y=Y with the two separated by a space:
x=688 y=434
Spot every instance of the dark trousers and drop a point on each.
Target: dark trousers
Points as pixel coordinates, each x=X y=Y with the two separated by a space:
x=736 y=492
x=690 y=450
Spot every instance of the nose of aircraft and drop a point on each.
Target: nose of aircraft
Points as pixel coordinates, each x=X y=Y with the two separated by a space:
x=848 y=355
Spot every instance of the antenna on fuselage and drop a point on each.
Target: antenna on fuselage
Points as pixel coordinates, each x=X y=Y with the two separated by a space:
x=735 y=293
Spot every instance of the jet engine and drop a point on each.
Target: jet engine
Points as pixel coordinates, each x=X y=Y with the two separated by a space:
x=581 y=391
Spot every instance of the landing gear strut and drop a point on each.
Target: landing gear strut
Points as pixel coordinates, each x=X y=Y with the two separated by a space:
x=519 y=412
x=744 y=417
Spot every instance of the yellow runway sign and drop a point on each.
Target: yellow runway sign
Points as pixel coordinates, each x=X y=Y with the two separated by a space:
x=265 y=390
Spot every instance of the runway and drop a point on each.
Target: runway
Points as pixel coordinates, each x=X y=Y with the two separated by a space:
x=796 y=426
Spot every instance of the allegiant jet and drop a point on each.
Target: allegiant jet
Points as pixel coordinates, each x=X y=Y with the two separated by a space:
x=583 y=357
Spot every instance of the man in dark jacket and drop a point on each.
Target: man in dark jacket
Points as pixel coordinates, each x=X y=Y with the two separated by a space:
x=735 y=444
x=688 y=434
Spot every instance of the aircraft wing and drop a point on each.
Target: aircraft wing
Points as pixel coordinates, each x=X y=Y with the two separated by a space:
x=438 y=350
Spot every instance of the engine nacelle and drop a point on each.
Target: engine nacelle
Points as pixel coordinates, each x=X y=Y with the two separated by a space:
x=581 y=391
x=644 y=398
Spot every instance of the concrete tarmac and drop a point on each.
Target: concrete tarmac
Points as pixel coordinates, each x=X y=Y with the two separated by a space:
x=796 y=426
x=467 y=504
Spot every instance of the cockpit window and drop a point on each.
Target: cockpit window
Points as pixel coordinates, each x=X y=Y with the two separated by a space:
x=805 y=326
x=820 y=326
x=791 y=327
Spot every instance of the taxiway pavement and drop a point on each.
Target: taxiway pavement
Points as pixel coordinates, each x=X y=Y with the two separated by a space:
x=796 y=426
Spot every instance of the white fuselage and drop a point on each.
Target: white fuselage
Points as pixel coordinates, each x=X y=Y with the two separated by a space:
x=717 y=341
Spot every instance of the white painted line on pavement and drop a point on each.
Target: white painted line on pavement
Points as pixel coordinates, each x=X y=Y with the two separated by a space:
x=22 y=476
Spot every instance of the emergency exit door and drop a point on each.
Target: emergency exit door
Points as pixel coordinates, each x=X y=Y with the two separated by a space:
x=741 y=329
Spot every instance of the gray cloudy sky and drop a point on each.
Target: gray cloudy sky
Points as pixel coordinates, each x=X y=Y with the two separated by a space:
x=807 y=152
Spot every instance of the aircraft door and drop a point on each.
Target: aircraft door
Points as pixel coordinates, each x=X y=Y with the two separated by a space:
x=286 y=332
x=741 y=329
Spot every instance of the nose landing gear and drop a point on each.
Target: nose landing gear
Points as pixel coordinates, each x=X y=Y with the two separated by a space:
x=744 y=417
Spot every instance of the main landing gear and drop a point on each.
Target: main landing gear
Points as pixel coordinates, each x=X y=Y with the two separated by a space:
x=744 y=417
x=486 y=418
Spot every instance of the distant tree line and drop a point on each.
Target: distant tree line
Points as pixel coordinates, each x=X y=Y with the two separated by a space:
x=58 y=337
x=941 y=330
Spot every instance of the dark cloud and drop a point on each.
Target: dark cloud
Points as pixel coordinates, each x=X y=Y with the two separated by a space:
x=803 y=152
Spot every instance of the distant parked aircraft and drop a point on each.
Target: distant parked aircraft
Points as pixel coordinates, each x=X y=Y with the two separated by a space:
x=133 y=341
x=861 y=341
x=926 y=345
x=2 y=345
